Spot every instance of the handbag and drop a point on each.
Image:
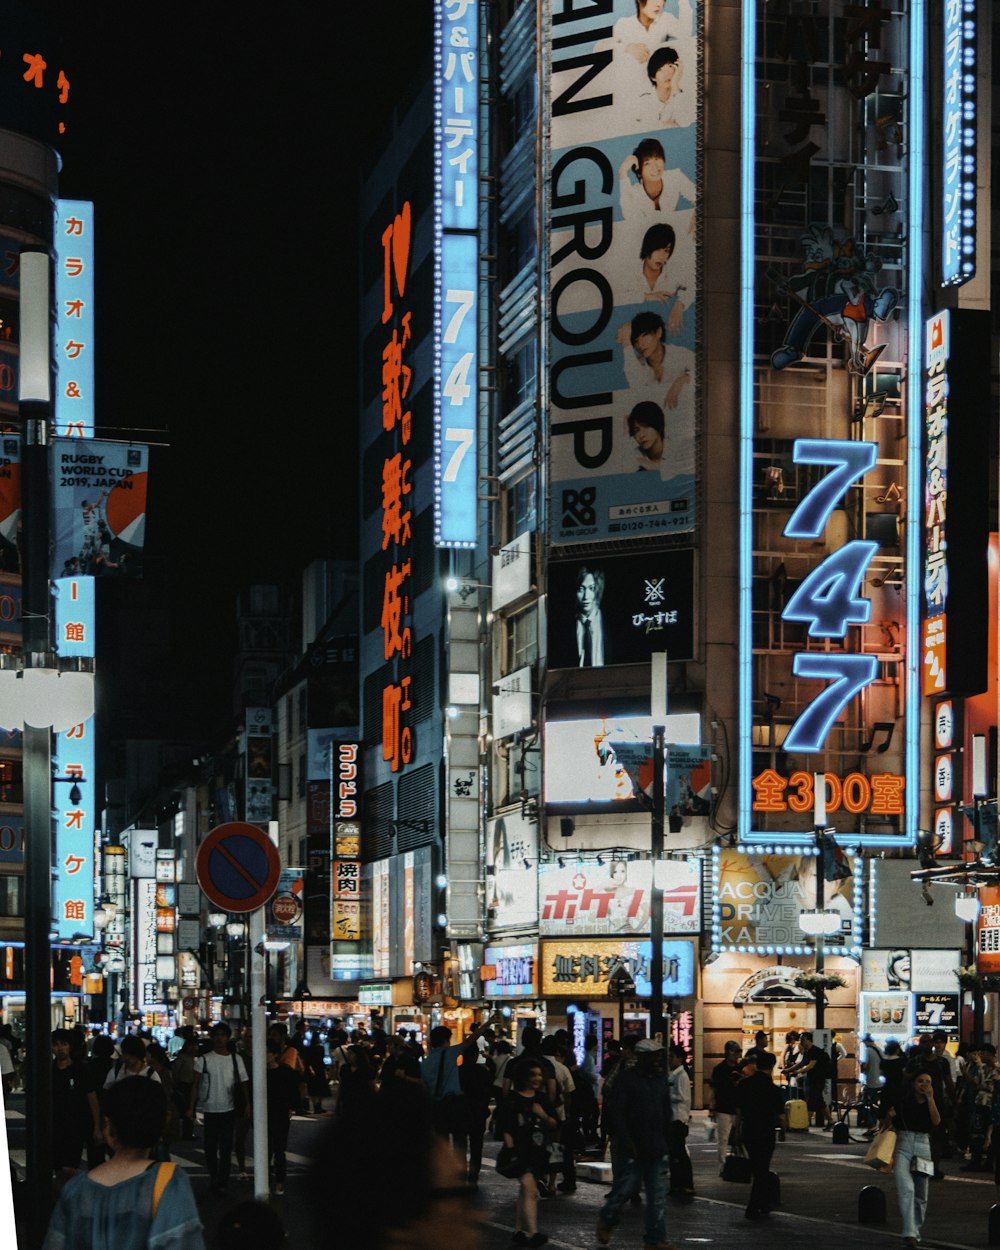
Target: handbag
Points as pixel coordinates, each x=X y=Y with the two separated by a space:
x=882 y=1149
x=508 y=1164
x=921 y=1167
x=737 y=1168
x=557 y=1156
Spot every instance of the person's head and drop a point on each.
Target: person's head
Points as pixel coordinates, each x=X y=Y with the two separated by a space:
x=250 y=1226
x=676 y=1057
x=731 y=1053
x=923 y=1085
x=760 y=1039
x=925 y=1044
x=988 y=1054
x=439 y=1036
x=651 y=162
x=62 y=1043
x=528 y=1077
x=939 y=1039
x=551 y=1047
x=649 y=1054
x=791 y=1038
x=103 y=1047
x=531 y=1038
x=134 y=1111
x=426 y=1205
x=219 y=1036
x=765 y=1061
x=502 y=1047
x=658 y=244
x=805 y=1041
x=748 y=1064
x=133 y=1050
x=157 y=1057
x=646 y=425
x=893 y=1048
x=273 y=1052
x=647 y=332
x=661 y=69
x=648 y=9
x=589 y=590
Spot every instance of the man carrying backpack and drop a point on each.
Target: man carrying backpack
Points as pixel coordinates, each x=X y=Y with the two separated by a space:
x=220 y=1088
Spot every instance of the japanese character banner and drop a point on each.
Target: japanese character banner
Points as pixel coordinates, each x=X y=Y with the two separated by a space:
x=75 y=809
x=614 y=897
x=624 y=188
x=99 y=508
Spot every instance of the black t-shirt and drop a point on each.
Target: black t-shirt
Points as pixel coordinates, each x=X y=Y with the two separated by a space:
x=282 y=1090
x=759 y=1102
x=911 y=1114
x=822 y=1061
x=70 y=1087
x=725 y=1078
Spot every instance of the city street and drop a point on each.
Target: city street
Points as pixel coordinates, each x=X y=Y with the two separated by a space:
x=820 y=1186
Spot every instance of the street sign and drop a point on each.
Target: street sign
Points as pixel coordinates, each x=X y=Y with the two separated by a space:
x=237 y=867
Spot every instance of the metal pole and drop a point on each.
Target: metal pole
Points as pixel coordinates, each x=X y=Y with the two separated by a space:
x=258 y=1025
x=656 y=891
x=34 y=409
x=978 y=998
x=621 y=1017
x=820 y=937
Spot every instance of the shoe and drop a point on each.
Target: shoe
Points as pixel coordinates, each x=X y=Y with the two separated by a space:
x=603 y=1230
x=752 y=1213
x=539 y=1239
x=543 y=1189
x=279 y=1190
x=520 y=1239
x=910 y=1241
x=566 y=1188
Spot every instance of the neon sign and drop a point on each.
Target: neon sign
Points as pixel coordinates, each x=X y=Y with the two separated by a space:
x=958 y=151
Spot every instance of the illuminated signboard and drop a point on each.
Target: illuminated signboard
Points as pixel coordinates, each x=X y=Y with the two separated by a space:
x=75 y=621
x=145 y=984
x=988 y=930
x=623 y=243
x=36 y=82
x=614 y=897
x=936 y=503
x=831 y=424
x=958 y=147
x=510 y=971
x=511 y=878
x=75 y=322
x=758 y=895
x=456 y=301
x=398 y=733
x=586 y=965
x=585 y=760
x=620 y=609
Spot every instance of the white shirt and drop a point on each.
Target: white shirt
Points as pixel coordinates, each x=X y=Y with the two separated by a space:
x=629 y=30
x=216 y=1078
x=123 y=1072
x=564 y=1083
x=680 y=1095
x=6 y=1062
x=652 y=113
x=676 y=185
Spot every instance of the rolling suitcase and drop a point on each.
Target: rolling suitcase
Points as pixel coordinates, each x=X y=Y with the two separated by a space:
x=798 y=1115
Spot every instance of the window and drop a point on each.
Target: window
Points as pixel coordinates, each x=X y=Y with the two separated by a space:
x=522 y=375
x=520 y=507
x=11 y=895
x=521 y=640
x=300 y=782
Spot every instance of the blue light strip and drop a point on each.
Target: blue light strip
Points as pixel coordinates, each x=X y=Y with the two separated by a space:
x=747 y=183
x=914 y=416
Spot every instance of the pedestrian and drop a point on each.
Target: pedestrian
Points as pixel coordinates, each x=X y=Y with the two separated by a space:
x=612 y=1074
x=158 y=1061
x=357 y=1079
x=220 y=1087
x=681 y=1171
x=721 y=1100
x=399 y=1063
x=402 y=1186
x=132 y=1062
x=983 y=1081
x=568 y=1136
x=892 y=1066
x=440 y=1073
x=290 y=1056
x=814 y=1067
x=789 y=1058
x=914 y=1117
x=476 y=1076
x=182 y=1071
x=251 y=1226
x=760 y=1110
x=282 y=1099
x=587 y=1090
x=243 y=1047
x=641 y=1114
x=314 y=1058
x=527 y=1120
x=75 y=1115
x=128 y=1203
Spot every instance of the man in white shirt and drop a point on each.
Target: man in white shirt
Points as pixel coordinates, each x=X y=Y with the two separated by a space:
x=681 y=1172
x=220 y=1081
x=665 y=104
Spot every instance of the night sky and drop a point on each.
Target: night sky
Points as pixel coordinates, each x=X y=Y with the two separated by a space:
x=224 y=153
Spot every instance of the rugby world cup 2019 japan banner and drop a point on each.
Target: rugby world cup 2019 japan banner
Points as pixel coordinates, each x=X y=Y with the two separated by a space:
x=623 y=91
x=99 y=508
x=831 y=418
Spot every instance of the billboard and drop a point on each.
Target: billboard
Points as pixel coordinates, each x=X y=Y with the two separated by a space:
x=620 y=609
x=75 y=320
x=623 y=241
x=591 y=763
x=757 y=899
x=614 y=897
x=584 y=967
x=511 y=871
x=959 y=154
x=99 y=508
x=831 y=420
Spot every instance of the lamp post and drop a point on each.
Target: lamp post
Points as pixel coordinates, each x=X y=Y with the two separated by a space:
x=818 y=922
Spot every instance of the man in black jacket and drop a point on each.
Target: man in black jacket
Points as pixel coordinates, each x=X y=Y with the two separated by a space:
x=760 y=1110
x=640 y=1115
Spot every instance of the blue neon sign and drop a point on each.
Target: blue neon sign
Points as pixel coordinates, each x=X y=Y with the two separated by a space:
x=958 y=149
x=456 y=294
x=75 y=321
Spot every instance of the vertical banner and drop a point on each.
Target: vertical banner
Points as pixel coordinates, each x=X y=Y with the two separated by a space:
x=959 y=132
x=75 y=322
x=99 y=508
x=456 y=277
x=831 y=420
x=623 y=198
x=73 y=800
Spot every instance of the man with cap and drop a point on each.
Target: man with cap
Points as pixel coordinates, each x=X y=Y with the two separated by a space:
x=721 y=1097
x=641 y=1117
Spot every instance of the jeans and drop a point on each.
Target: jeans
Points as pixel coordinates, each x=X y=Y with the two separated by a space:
x=219 y=1127
x=911 y=1187
x=723 y=1127
x=638 y=1173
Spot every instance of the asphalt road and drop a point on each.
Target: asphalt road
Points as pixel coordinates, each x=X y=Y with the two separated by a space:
x=820 y=1187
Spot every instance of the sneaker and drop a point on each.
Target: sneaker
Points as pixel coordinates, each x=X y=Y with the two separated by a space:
x=543 y=1189
x=603 y=1230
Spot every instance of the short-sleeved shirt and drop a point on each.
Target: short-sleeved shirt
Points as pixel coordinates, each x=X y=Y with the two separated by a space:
x=217 y=1076
x=759 y=1102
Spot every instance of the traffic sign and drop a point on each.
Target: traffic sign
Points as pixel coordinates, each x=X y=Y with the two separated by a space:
x=237 y=867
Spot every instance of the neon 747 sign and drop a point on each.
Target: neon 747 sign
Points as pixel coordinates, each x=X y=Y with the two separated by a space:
x=829 y=600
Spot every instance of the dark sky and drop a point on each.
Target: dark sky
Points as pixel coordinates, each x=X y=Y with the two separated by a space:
x=224 y=153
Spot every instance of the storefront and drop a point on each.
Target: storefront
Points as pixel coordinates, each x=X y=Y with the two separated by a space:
x=509 y=983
